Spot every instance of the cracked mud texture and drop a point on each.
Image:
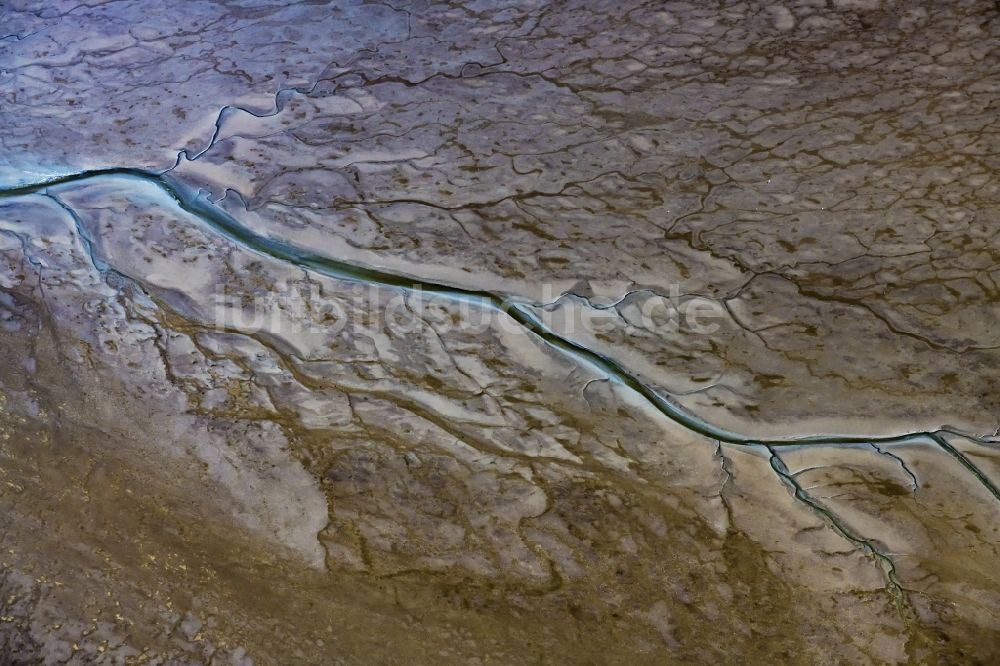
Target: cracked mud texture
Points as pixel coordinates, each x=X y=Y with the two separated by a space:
x=292 y=363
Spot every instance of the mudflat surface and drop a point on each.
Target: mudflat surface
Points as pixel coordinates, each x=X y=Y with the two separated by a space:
x=499 y=333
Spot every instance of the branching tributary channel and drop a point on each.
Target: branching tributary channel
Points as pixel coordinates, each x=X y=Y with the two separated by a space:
x=197 y=204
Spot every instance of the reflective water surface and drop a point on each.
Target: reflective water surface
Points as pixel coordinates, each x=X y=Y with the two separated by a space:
x=499 y=332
